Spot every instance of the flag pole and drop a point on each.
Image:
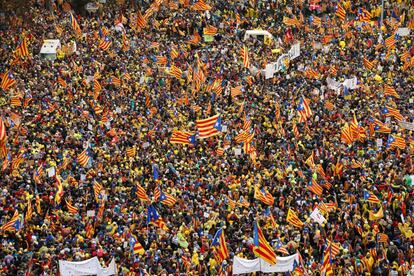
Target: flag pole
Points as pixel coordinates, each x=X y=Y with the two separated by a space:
x=382 y=13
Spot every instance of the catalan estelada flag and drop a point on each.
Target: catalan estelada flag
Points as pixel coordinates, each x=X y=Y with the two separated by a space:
x=22 y=50
x=209 y=127
x=7 y=80
x=390 y=91
x=370 y=197
x=382 y=237
x=304 y=110
x=115 y=81
x=379 y=126
x=293 y=219
x=389 y=111
x=244 y=52
x=71 y=209
x=83 y=158
x=141 y=193
x=219 y=245
x=340 y=12
x=264 y=196
x=315 y=187
x=200 y=5
x=182 y=137
x=74 y=24
x=154 y=218
x=346 y=134
x=396 y=141
x=105 y=44
x=261 y=247
x=14 y=223
x=164 y=198
x=137 y=248
x=141 y=21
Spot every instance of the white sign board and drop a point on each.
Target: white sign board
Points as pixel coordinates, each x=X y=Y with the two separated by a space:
x=317 y=216
x=51 y=172
x=379 y=143
x=50 y=46
x=90 y=213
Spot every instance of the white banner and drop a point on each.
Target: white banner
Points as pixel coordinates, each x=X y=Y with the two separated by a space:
x=403 y=31
x=407 y=125
x=241 y=265
x=280 y=63
x=294 y=51
x=283 y=264
x=333 y=84
x=87 y=267
x=270 y=70
x=351 y=83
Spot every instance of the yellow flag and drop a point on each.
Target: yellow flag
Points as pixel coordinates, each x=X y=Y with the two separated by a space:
x=378 y=215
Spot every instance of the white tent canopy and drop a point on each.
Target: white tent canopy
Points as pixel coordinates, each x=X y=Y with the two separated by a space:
x=250 y=33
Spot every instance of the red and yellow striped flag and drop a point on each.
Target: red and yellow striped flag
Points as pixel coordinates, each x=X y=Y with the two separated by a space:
x=340 y=12
x=22 y=50
x=62 y=82
x=244 y=52
x=368 y=64
x=175 y=71
x=210 y=30
x=291 y=21
x=236 y=91
x=293 y=219
x=141 y=21
x=71 y=209
x=390 y=91
x=141 y=193
x=200 y=5
x=83 y=158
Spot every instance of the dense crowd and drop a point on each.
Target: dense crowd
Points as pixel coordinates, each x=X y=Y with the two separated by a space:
x=89 y=137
